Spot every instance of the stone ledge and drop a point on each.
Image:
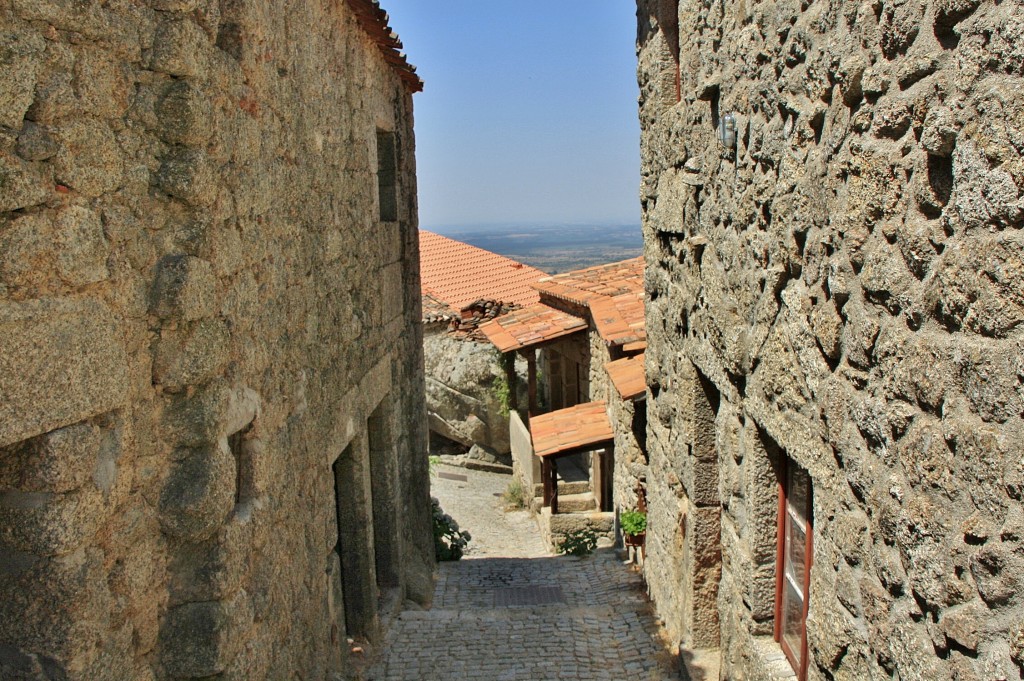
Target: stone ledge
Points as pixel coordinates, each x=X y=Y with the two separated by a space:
x=769 y=659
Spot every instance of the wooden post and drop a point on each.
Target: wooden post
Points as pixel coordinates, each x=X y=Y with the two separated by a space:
x=554 y=487
x=531 y=374
x=545 y=474
x=512 y=380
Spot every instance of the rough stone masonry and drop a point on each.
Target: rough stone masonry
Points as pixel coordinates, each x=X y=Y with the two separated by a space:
x=840 y=292
x=211 y=390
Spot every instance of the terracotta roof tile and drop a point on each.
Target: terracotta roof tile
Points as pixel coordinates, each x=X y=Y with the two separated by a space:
x=530 y=325
x=435 y=310
x=582 y=286
x=374 y=21
x=628 y=376
x=565 y=430
x=460 y=274
x=620 y=319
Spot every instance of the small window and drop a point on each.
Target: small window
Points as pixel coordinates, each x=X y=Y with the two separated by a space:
x=795 y=553
x=387 y=176
x=640 y=426
x=668 y=18
x=238 y=443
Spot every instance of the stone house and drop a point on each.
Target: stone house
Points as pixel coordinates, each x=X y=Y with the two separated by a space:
x=212 y=431
x=577 y=442
x=462 y=287
x=833 y=218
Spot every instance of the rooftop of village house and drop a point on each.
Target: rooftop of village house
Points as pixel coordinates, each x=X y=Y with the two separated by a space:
x=455 y=275
x=613 y=293
x=375 y=21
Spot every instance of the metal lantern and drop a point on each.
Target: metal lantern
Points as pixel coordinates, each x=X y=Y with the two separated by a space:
x=727 y=131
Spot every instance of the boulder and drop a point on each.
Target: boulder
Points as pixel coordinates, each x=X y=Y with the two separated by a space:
x=464 y=391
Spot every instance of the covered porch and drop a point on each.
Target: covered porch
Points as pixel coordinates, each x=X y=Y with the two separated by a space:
x=563 y=456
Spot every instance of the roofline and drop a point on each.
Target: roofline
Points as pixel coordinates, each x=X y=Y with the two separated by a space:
x=374 y=21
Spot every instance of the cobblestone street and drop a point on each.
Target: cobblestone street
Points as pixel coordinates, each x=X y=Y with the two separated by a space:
x=510 y=611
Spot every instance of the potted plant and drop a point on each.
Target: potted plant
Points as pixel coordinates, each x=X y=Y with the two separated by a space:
x=634 y=527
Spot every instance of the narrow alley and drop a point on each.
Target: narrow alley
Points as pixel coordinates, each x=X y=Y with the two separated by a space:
x=511 y=611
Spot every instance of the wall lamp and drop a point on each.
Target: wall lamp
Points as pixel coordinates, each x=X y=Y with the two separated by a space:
x=727 y=131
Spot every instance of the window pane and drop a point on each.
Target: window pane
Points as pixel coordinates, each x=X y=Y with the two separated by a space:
x=798 y=492
x=796 y=550
x=792 y=624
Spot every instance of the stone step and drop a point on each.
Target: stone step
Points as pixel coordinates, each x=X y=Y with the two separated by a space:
x=564 y=488
x=576 y=503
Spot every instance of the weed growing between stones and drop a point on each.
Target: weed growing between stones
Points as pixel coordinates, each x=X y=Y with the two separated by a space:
x=449 y=541
x=579 y=543
x=501 y=388
x=515 y=496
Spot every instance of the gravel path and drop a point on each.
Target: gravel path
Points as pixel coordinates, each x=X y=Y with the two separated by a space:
x=473 y=499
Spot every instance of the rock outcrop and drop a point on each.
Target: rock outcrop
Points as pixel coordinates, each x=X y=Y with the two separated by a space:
x=466 y=393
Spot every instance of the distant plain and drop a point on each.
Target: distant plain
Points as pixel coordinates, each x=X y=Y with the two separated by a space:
x=554 y=248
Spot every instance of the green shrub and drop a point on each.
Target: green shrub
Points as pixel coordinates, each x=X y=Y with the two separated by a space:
x=432 y=463
x=633 y=522
x=515 y=496
x=504 y=394
x=579 y=543
x=449 y=541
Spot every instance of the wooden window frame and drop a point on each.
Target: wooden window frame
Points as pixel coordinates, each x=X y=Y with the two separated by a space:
x=799 y=664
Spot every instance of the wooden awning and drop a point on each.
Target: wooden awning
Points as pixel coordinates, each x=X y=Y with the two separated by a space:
x=530 y=326
x=582 y=428
x=628 y=376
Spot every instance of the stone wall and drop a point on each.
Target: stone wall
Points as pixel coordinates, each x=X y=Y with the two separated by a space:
x=210 y=343
x=841 y=291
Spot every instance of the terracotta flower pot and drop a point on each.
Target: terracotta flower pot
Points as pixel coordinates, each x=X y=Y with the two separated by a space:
x=635 y=539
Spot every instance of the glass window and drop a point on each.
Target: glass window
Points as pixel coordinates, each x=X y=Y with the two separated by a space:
x=795 y=542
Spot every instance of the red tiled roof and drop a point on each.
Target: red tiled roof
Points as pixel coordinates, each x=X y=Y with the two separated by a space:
x=582 y=286
x=530 y=325
x=460 y=274
x=374 y=21
x=573 y=429
x=628 y=376
x=620 y=319
x=435 y=310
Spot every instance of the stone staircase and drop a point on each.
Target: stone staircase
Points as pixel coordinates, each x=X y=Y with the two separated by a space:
x=577 y=508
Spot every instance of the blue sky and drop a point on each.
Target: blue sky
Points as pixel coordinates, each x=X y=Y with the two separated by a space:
x=529 y=112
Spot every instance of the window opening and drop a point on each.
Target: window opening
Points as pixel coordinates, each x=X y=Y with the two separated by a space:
x=669 y=21
x=640 y=427
x=795 y=553
x=387 y=176
x=239 y=447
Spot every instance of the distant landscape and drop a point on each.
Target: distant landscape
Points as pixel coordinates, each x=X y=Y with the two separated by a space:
x=554 y=248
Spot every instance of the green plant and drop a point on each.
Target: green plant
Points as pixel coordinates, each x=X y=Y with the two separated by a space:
x=502 y=389
x=432 y=463
x=515 y=496
x=579 y=542
x=449 y=541
x=633 y=523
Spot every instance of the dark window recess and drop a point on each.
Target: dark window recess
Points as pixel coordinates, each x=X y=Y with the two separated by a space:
x=793 y=569
x=640 y=426
x=237 y=443
x=387 y=176
x=669 y=20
